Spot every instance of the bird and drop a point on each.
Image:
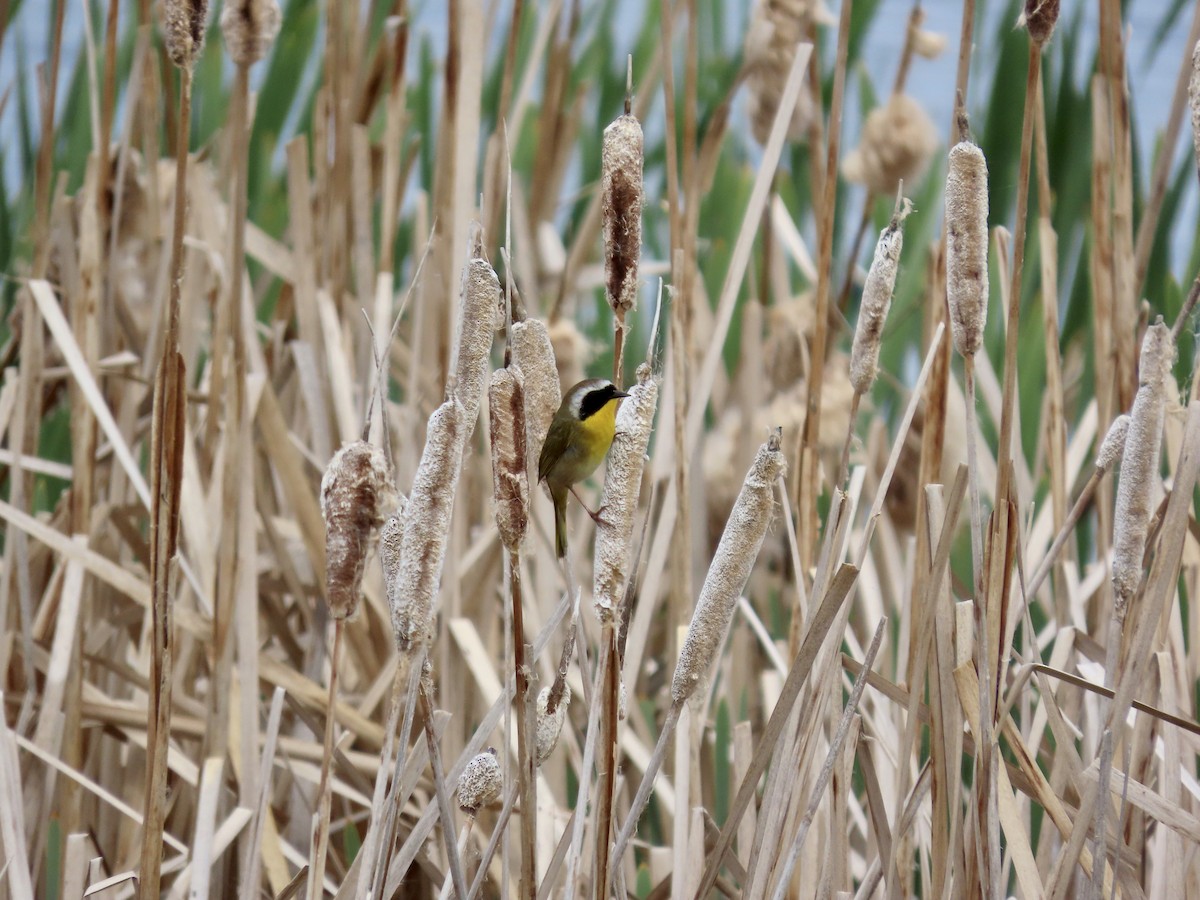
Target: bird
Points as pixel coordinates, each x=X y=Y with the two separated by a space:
x=578 y=439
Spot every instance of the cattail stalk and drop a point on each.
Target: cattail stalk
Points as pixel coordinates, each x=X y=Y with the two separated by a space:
x=184 y=22
x=723 y=585
x=621 y=190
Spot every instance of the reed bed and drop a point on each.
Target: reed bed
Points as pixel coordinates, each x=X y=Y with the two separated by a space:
x=891 y=592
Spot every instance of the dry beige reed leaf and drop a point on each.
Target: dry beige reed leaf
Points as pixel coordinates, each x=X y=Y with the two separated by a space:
x=533 y=354
x=482 y=316
x=776 y=27
x=621 y=204
x=549 y=725
x=426 y=526
x=1140 y=462
x=1113 y=445
x=356 y=490
x=622 y=487
x=967 y=246
x=876 y=301
x=183 y=30
x=898 y=140
x=1040 y=17
x=729 y=571
x=249 y=28
x=480 y=783
x=510 y=479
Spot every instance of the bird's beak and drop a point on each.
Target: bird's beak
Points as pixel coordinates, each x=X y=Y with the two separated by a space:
x=620 y=394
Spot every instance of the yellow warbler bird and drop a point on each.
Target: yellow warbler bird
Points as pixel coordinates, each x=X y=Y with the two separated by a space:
x=578 y=439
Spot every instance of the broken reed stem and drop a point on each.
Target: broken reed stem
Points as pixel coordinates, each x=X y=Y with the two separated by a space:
x=826 y=773
x=320 y=839
x=166 y=478
x=370 y=846
x=445 y=808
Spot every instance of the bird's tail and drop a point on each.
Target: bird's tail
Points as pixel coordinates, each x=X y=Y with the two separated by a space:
x=560 y=523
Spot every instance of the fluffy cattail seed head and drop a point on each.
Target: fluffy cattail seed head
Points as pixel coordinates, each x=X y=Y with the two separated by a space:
x=183 y=30
x=480 y=783
x=1139 y=464
x=389 y=549
x=533 y=354
x=549 y=724
x=1194 y=101
x=876 y=301
x=776 y=27
x=730 y=569
x=622 y=487
x=967 y=246
x=426 y=526
x=898 y=140
x=621 y=189
x=356 y=489
x=1113 y=445
x=250 y=27
x=1040 y=17
x=510 y=480
x=482 y=316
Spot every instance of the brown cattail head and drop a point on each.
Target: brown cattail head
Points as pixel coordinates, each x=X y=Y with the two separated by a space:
x=250 y=27
x=533 y=354
x=183 y=30
x=480 y=782
x=549 y=724
x=622 y=487
x=1139 y=465
x=876 y=301
x=1040 y=17
x=426 y=526
x=776 y=27
x=730 y=569
x=510 y=478
x=482 y=316
x=898 y=140
x=1113 y=445
x=621 y=188
x=1194 y=101
x=355 y=491
x=967 y=246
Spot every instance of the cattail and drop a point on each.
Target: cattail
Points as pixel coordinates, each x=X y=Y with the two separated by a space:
x=572 y=353
x=898 y=140
x=390 y=536
x=1194 y=101
x=1139 y=464
x=480 y=782
x=876 y=301
x=1113 y=445
x=533 y=354
x=1039 y=18
x=776 y=27
x=621 y=191
x=967 y=246
x=482 y=315
x=928 y=44
x=622 y=486
x=510 y=481
x=730 y=569
x=355 y=491
x=549 y=724
x=250 y=27
x=426 y=525
x=183 y=30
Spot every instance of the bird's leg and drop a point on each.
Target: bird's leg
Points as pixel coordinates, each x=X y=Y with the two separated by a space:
x=598 y=515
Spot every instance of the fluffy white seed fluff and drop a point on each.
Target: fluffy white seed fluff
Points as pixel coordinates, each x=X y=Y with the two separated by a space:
x=967 y=246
